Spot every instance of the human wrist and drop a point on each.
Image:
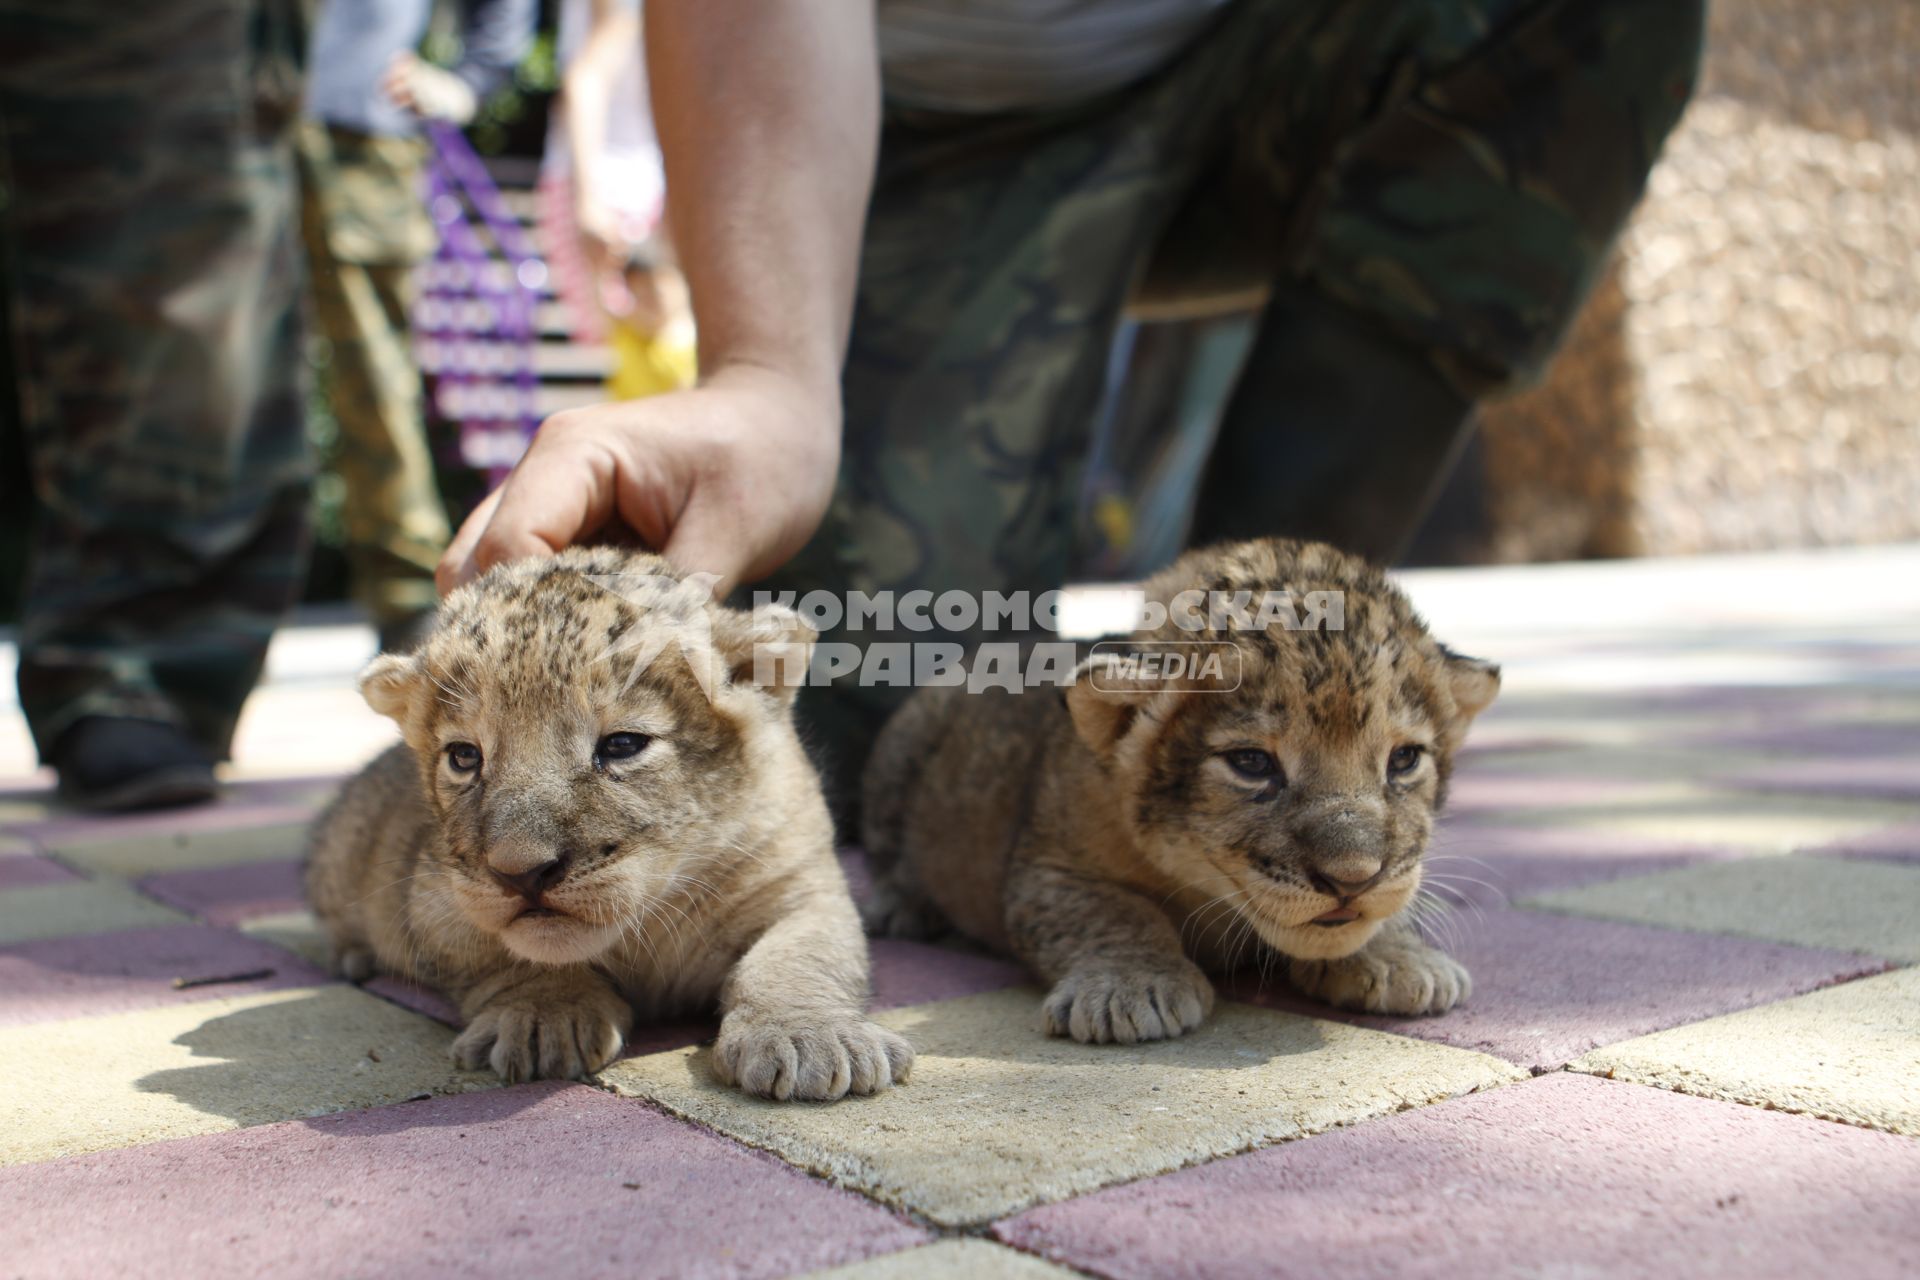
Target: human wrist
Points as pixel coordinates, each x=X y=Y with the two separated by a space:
x=807 y=388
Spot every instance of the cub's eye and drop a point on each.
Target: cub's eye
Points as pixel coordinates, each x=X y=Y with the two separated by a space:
x=621 y=746
x=1404 y=758
x=463 y=757
x=1251 y=763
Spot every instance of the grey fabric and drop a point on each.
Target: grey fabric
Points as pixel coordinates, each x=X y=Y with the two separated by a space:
x=976 y=56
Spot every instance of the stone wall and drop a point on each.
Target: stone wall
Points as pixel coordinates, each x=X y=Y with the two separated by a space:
x=1748 y=374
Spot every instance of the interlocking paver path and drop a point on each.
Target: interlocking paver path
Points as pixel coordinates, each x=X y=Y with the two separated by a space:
x=1683 y=859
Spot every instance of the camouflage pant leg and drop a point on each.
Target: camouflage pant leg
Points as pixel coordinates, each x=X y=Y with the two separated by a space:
x=365 y=230
x=154 y=306
x=1437 y=253
x=1396 y=158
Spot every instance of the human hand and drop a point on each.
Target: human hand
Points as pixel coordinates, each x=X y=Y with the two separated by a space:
x=730 y=478
x=429 y=91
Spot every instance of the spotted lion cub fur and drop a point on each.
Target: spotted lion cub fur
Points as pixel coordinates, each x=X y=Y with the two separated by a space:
x=1155 y=828
x=578 y=829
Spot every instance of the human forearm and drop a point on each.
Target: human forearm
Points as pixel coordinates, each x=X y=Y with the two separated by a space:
x=769 y=127
x=588 y=87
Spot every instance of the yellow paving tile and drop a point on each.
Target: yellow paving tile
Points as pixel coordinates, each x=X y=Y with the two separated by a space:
x=950 y=1260
x=295 y=931
x=97 y=1083
x=1762 y=823
x=183 y=849
x=999 y=1117
x=84 y=906
x=1848 y=1053
x=1869 y=907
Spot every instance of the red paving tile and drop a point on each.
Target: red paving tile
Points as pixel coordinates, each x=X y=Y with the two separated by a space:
x=1565 y=1175
x=1889 y=844
x=1870 y=778
x=1493 y=865
x=27 y=870
x=231 y=894
x=78 y=977
x=1487 y=791
x=420 y=999
x=1548 y=988
x=537 y=1180
x=163 y=823
x=1862 y=740
x=915 y=972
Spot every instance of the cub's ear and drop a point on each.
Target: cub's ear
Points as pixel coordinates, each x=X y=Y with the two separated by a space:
x=1473 y=681
x=388 y=684
x=768 y=649
x=1105 y=699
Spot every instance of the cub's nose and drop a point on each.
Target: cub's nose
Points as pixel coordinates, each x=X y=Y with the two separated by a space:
x=534 y=881
x=1347 y=878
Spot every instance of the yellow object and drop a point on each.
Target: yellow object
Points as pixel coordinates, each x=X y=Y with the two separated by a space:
x=646 y=364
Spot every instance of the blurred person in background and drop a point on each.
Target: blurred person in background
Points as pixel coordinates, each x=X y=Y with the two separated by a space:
x=366 y=229
x=149 y=228
x=602 y=200
x=1422 y=192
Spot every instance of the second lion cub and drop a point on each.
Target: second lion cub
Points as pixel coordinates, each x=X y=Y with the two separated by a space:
x=1155 y=827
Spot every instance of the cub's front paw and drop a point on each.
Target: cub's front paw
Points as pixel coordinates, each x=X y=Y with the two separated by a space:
x=1126 y=1006
x=811 y=1058
x=1403 y=977
x=536 y=1032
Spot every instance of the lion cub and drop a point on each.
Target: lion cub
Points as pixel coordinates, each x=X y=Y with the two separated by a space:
x=1277 y=804
x=601 y=809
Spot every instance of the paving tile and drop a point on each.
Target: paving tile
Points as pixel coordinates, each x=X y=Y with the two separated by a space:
x=998 y=1116
x=1629 y=759
x=231 y=894
x=1849 y=1053
x=179 y=848
x=964 y=1258
x=1547 y=988
x=1478 y=791
x=1863 y=739
x=414 y=996
x=26 y=870
x=16 y=846
x=1899 y=843
x=136 y=969
x=226 y=814
x=91 y=1084
x=1491 y=865
x=1847 y=905
x=296 y=931
x=907 y=973
x=57 y=909
x=1877 y=778
x=1758 y=822
x=1561 y=1176
x=536 y=1180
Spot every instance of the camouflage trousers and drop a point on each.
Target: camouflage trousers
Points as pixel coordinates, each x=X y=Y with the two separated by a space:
x=365 y=230
x=151 y=225
x=1426 y=188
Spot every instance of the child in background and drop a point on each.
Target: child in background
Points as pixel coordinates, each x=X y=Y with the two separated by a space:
x=602 y=193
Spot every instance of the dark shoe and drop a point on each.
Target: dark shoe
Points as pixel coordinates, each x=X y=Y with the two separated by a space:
x=114 y=764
